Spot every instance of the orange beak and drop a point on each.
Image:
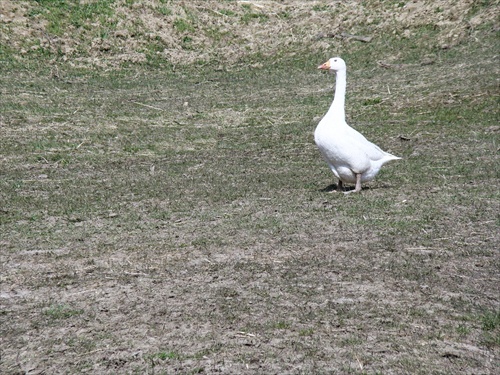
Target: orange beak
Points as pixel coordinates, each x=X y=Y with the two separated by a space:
x=325 y=66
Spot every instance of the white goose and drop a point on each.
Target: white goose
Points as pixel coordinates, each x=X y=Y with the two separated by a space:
x=351 y=157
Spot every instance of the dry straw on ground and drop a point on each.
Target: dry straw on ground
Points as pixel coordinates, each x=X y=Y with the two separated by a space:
x=205 y=31
x=179 y=221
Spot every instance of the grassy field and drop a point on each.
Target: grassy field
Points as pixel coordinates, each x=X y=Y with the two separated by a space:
x=179 y=219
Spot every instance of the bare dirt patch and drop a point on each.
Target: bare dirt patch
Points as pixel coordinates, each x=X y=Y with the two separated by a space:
x=180 y=221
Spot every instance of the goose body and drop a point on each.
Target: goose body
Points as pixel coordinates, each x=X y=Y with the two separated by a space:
x=351 y=157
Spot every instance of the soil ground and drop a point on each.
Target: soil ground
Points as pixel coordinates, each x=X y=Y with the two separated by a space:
x=170 y=213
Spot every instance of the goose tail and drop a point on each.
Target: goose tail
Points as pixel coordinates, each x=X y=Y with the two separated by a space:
x=389 y=157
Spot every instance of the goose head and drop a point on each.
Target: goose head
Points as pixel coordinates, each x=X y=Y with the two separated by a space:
x=335 y=64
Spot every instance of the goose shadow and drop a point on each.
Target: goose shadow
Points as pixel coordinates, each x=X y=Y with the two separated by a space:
x=333 y=188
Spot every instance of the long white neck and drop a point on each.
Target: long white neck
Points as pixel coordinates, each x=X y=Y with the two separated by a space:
x=337 y=109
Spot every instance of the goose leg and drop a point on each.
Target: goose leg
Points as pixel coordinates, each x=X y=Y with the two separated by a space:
x=340 y=186
x=357 y=189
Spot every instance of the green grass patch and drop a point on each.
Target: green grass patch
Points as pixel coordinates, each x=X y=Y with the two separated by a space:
x=61 y=311
x=182 y=25
x=63 y=13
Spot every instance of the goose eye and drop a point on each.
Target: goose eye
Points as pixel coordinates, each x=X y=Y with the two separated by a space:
x=335 y=60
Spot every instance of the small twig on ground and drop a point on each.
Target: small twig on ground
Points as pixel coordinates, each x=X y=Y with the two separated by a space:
x=136 y=274
x=81 y=292
x=251 y=3
x=148 y=106
x=360 y=38
x=393 y=66
x=359 y=363
x=92 y=352
x=402 y=66
x=212 y=10
x=245 y=334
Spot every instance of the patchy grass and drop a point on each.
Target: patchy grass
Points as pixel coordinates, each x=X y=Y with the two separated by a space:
x=116 y=33
x=59 y=311
x=64 y=14
x=188 y=209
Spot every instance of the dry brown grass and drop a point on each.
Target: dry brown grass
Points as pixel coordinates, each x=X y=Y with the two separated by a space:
x=179 y=221
x=229 y=31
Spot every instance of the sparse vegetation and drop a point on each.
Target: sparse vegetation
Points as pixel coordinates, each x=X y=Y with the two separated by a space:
x=176 y=215
x=61 y=311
